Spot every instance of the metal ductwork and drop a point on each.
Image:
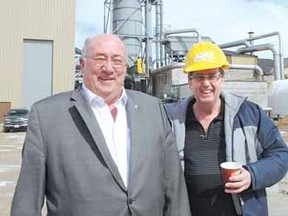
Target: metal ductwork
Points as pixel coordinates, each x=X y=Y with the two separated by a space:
x=263 y=47
x=181 y=31
x=255 y=68
x=168 y=68
x=277 y=55
x=177 y=46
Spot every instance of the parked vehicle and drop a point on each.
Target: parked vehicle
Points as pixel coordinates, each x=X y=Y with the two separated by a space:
x=16 y=120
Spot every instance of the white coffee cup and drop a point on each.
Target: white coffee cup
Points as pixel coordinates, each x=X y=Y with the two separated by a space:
x=230 y=169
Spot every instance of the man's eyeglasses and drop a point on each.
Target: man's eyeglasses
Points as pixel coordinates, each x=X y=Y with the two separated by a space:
x=201 y=77
x=100 y=61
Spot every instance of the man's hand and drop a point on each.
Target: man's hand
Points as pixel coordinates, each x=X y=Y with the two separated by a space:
x=238 y=183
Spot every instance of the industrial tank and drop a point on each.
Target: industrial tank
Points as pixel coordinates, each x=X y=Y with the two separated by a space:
x=278 y=98
x=128 y=24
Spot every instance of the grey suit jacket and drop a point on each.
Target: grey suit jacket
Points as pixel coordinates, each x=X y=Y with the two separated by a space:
x=66 y=160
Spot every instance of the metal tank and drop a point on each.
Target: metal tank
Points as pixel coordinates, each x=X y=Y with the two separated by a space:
x=278 y=98
x=128 y=24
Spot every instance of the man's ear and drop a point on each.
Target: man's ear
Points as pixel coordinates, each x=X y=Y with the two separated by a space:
x=82 y=63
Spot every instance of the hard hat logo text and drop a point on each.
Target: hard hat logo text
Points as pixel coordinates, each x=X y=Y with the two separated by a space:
x=204 y=56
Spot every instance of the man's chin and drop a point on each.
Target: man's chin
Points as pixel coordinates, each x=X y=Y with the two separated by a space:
x=207 y=99
x=107 y=82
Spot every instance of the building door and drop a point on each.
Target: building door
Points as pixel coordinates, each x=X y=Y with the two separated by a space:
x=37 y=71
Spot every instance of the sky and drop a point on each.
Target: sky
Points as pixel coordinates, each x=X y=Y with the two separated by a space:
x=222 y=20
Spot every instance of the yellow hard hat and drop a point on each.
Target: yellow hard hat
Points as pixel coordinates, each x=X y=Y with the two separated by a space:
x=203 y=56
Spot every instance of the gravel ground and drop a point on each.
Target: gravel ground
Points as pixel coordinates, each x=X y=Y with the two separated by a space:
x=10 y=159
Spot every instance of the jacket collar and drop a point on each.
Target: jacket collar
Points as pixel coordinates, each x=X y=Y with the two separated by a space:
x=86 y=113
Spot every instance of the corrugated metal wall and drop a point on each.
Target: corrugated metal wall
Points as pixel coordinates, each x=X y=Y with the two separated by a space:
x=38 y=20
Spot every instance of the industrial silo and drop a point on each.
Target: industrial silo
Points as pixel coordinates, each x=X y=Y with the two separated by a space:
x=128 y=24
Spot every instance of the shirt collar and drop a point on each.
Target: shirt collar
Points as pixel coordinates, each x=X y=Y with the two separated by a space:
x=191 y=115
x=93 y=98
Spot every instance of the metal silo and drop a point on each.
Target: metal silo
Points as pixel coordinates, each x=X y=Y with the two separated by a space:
x=127 y=22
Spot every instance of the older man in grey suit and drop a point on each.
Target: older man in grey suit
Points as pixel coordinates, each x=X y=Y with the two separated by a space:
x=100 y=150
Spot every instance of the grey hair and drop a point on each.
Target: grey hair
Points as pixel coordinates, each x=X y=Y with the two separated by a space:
x=84 y=49
x=88 y=40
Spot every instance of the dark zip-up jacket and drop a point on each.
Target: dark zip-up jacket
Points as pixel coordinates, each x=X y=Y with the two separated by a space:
x=251 y=139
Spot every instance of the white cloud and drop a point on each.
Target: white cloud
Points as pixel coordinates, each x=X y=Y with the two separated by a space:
x=225 y=20
x=222 y=20
x=89 y=19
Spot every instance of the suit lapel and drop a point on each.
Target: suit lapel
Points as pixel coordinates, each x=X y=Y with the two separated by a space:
x=87 y=115
x=133 y=115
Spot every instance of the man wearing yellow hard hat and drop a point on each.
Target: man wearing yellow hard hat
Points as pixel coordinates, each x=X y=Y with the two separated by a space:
x=213 y=126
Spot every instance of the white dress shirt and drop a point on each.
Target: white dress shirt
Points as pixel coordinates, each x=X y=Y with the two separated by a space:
x=116 y=133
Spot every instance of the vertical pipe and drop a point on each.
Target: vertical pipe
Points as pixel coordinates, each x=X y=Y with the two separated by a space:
x=281 y=56
x=108 y=16
x=157 y=34
x=251 y=35
x=161 y=33
x=112 y=15
x=277 y=69
x=148 y=25
x=104 y=21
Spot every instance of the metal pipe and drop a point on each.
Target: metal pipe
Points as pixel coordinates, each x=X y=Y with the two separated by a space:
x=105 y=19
x=139 y=37
x=168 y=67
x=180 y=31
x=255 y=68
x=245 y=43
x=281 y=56
x=251 y=35
x=234 y=44
x=161 y=32
x=157 y=34
x=263 y=47
x=255 y=48
x=148 y=25
x=108 y=7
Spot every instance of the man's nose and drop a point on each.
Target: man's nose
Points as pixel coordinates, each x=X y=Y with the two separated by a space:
x=205 y=80
x=205 y=77
x=108 y=65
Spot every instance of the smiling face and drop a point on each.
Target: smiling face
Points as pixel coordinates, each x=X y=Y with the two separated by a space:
x=103 y=64
x=206 y=86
